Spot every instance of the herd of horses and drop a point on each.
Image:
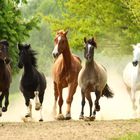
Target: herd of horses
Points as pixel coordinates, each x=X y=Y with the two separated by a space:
x=67 y=72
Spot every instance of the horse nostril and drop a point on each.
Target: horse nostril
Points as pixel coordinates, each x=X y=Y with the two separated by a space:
x=135 y=63
x=55 y=55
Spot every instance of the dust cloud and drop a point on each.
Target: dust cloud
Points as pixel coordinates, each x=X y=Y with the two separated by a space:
x=119 y=107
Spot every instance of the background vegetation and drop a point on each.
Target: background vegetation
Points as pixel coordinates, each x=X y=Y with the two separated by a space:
x=114 y=24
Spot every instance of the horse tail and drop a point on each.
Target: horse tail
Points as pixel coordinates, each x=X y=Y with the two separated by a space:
x=107 y=92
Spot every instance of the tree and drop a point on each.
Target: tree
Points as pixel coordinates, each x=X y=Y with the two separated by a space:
x=114 y=23
x=13 y=27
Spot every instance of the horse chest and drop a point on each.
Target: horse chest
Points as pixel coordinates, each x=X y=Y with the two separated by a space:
x=29 y=83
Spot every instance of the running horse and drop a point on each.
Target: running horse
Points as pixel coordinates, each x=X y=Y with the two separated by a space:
x=131 y=76
x=65 y=72
x=5 y=75
x=33 y=83
x=92 y=78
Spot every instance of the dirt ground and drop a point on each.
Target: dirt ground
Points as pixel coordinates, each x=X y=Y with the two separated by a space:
x=115 y=118
x=67 y=130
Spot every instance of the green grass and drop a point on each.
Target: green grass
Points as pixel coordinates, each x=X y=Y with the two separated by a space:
x=130 y=136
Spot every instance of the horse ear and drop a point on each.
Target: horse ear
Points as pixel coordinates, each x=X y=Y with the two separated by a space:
x=27 y=46
x=94 y=42
x=85 y=40
x=7 y=60
x=4 y=42
x=134 y=46
x=66 y=32
x=19 y=46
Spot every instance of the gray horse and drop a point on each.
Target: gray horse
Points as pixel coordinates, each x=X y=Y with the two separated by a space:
x=92 y=78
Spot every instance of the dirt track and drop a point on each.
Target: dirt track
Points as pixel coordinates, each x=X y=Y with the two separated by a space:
x=67 y=130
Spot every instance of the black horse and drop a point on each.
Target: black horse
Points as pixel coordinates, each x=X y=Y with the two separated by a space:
x=5 y=75
x=33 y=83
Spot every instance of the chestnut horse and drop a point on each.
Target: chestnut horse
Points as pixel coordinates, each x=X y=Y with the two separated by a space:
x=5 y=75
x=92 y=78
x=65 y=72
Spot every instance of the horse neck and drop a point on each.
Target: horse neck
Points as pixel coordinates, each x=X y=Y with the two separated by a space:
x=67 y=57
x=139 y=67
x=89 y=64
x=28 y=68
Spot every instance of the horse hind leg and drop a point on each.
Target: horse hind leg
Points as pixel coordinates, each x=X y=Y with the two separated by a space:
x=37 y=101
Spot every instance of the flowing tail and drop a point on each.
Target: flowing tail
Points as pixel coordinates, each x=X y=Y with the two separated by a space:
x=107 y=92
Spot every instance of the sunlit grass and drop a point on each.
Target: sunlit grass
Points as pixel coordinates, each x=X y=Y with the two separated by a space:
x=129 y=137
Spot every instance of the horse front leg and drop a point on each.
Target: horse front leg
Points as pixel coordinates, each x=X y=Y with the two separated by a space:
x=29 y=107
x=55 y=99
x=88 y=96
x=133 y=99
x=60 y=103
x=82 y=104
x=1 y=98
x=41 y=96
x=71 y=92
x=97 y=106
x=6 y=94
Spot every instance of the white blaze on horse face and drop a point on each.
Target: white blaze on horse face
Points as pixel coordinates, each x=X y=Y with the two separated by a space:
x=55 y=51
x=89 y=47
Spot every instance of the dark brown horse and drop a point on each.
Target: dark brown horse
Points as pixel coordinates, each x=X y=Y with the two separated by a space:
x=5 y=75
x=65 y=72
x=92 y=78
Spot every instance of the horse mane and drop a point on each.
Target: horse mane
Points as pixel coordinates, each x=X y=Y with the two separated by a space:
x=32 y=54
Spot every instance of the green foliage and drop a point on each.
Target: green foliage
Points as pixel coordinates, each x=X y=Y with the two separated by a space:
x=13 y=27
x=113 y=23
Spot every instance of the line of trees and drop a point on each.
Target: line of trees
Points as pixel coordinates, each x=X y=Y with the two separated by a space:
x=114 y=23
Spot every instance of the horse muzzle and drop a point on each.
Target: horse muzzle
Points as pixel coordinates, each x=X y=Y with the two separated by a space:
x=135 y=63
x=55 y=55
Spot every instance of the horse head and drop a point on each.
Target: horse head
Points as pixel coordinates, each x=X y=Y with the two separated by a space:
x=60 y=43
x=4 y=52
x=90 y=44
x=136 y=54
x=23 y=54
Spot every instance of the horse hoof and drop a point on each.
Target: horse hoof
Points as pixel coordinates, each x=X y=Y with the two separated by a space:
x=92 y=118
x=4 y=109
x=41 y=120
x=60 y=117
x=68 y=116
x=37 y=106
x=81 y=117
x=27 y=116
x=97 y=108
